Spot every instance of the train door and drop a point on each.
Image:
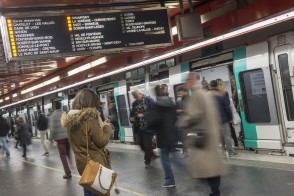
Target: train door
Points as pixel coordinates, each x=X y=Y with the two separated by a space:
x=282 y=47
x=256 y=97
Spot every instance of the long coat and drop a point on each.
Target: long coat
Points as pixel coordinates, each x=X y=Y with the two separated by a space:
x=24 y=133
x=201 y=113
x=75 y=121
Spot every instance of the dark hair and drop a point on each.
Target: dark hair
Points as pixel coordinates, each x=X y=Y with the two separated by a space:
x=213 y=84
x=158 y=91
x=57 y=105
x=86 y=98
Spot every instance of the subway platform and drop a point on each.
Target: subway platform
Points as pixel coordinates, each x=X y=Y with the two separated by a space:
x=250 y=174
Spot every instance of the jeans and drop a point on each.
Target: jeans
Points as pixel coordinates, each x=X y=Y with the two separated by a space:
x=214 y=184
x=4 y=145
x=64 y=152
x=88 y=193
x=226 y=133
x=166 y=163
x=43 y=138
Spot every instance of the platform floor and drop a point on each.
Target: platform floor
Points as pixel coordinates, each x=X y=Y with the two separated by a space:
x=42 y=175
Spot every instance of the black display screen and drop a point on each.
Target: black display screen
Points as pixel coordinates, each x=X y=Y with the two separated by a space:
x=92 y=33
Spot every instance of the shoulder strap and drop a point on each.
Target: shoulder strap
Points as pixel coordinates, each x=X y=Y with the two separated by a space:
x=88 y=156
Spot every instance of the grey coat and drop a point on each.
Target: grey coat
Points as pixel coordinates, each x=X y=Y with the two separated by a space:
x=201 y=113
x=56 y=131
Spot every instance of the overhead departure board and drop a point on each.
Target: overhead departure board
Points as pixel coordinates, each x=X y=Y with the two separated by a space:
x=87 y=34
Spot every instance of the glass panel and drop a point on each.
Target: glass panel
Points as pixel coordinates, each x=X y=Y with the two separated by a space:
x=153 y=67
x=254 y=95
x=128 y=74
x=161 y=65
x=141 y=71
x=122 y=110
x=134 y=73
x=170 y=62
x=286 y=86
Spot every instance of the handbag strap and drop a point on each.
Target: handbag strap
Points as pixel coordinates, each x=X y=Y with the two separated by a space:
x=88 y=156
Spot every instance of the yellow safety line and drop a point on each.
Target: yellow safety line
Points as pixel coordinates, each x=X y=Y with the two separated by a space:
x=58 y=170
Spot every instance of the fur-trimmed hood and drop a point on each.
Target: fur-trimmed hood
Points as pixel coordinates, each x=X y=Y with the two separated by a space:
x=74 y=118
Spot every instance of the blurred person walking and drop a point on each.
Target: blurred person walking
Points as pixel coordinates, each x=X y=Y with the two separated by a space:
x=24 y=134
x=140 y=113
x=4 y=130
x=201 y=114
x=59 y=134
x=42 y=125
x=162 y=118
x=85 y=114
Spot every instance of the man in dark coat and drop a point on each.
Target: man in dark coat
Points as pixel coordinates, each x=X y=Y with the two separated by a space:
x=163 y=117
x=42 y=125
x=4 y=129
x=141 y=108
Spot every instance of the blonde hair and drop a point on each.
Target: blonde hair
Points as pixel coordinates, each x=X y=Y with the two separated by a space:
x=19 y=119
x=221 y=86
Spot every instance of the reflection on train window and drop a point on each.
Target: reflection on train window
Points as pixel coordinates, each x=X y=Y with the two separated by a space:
x=128 y=75
x=162 y=65
x=254 y=95
x=176 y=88
x=159 y=75
x=286 y=86
x=153 y=67
x=122 y=110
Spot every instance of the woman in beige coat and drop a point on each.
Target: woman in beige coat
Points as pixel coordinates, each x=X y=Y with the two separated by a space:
x=200 y=113
x=84 y=109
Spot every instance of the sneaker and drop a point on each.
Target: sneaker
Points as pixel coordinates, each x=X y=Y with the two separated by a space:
x=66 y=176
x=147 y=166
x=166 y=185
x=46 y=154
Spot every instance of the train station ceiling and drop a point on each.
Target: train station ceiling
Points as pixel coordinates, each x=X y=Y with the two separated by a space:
x=16 y=74
x=217 y=16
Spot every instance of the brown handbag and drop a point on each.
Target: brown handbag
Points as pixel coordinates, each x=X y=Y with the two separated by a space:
x=97 y=178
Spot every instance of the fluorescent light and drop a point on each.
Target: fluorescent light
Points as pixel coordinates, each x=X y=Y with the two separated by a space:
x=14 y=95
x=1 y=100
x=7 y=98
x=57 y=78
x=242 y=31
x=98 y=62
x=87 y=66
x=174 y=30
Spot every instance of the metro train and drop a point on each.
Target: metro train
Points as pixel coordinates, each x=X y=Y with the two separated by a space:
x=263 y=72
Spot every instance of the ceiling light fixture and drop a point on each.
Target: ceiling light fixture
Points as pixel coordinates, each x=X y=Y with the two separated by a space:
x=258 y=25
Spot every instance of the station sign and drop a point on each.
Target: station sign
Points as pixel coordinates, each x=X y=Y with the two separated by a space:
x=85 y=34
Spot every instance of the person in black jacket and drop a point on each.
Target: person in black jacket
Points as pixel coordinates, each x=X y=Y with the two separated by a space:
x=139 y=114
x=24 y=134
x=226 y=117
x=163 y=117
x=4 y=129
x=42 y=125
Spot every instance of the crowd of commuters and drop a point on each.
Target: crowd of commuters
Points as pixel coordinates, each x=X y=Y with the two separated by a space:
x=201 y=118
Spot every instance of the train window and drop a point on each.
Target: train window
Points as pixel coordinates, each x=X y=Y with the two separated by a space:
x=153 y=68
x=141 y=71
x=128 y=75
x=170 y=62
x=159 y=75
x=122 y=110
x=254 y=95
x=286 y=85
